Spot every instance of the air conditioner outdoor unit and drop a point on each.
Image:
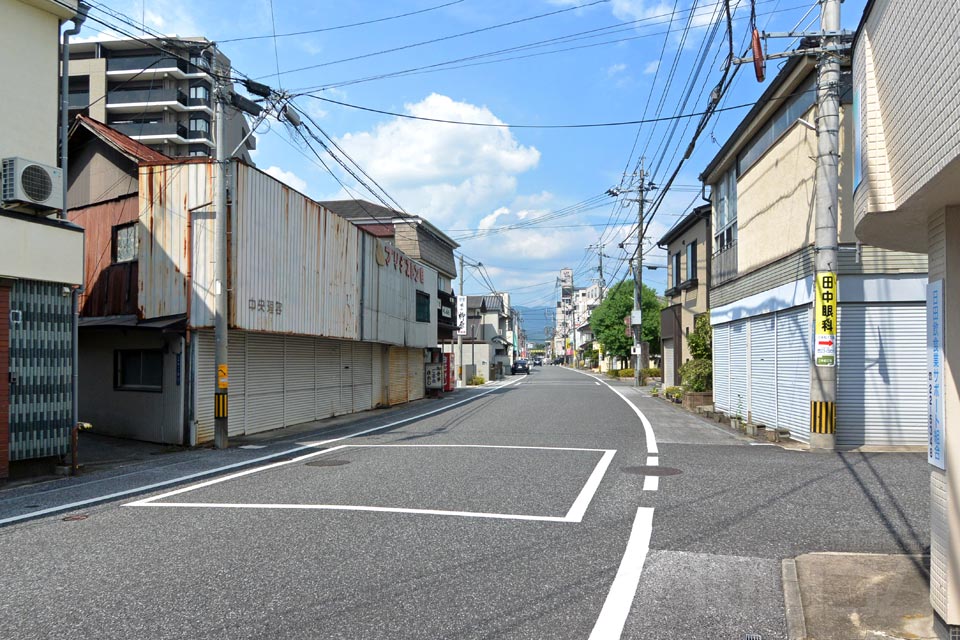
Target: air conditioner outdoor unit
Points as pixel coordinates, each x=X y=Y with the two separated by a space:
x=31 y=185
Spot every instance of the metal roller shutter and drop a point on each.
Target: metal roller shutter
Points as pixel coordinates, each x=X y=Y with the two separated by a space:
x=721 y=367
x=738 y=369
x=793 y=372
x=362 y=376
x=397 y=388
x=327 y=372
x=346 y=378
x=763 y=370
x=668 y=379
x=415 y=374
x=378 y=392
x=298 y=380
x=264 y=382
x=881 y=375
x=204 y=381
x=236 y=359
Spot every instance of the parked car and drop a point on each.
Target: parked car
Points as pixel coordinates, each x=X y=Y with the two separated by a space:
x=538 y=361
x=520 y=366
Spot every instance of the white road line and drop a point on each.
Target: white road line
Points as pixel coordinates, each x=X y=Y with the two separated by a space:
x=477 y=446
x=616 y=607
x=653 y=461
x=647 y=427
x=596 y=383
x=651 y=483
x=347 y=507
x=201 y=474
x=590 y=488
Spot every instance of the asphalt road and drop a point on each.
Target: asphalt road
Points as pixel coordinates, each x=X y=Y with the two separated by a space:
x=521 y=514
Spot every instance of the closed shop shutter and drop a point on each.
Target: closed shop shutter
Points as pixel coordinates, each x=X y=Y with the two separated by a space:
x=362 y=376
x=346 y=378
x=763 y=370
x=668 y=379
x=397 y=388
x=298 y=380
x=206 y=358
x=237 y=376
x=327 y=372
x=264 y=382
x=416 y=381
x=738 y=368
x=379 y=393
x=793 y=372
x=721 y=367
x=881 y=375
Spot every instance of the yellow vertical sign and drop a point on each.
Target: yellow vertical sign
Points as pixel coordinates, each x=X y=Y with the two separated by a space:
x=222 y=378
x=825 y=319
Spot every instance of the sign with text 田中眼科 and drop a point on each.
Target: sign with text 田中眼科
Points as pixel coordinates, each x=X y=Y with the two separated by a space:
x=935 y=386
x=825 y=320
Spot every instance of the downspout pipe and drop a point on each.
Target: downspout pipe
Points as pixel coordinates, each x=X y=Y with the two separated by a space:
x=75 y=294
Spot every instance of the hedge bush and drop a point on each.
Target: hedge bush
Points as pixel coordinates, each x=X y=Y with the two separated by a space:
x=697 y=375
x=650 y=372
x=476 y=380
x=625 y=373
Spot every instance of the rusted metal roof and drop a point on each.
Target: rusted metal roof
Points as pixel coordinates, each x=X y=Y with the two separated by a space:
x=124 y=144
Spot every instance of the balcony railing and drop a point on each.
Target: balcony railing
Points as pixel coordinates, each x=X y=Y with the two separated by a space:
x=79 y=99
x=136 y=63
x=723 y=266
x=128 y=96
x=138 y=129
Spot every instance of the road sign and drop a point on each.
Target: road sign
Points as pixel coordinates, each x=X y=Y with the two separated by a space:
x=825 y=320
x=935 y=381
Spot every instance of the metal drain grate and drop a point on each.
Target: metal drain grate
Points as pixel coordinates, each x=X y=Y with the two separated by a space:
x=651 y=470
x=752 y=636
x=327 y=463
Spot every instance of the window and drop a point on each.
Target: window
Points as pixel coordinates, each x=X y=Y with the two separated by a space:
x=779 y=124
x=423 y=307
x=676 y=269
x=200 y=124
x=692 y=260
x=725 y=209
x=125 y=242
x=138 y=370
x=200 y=92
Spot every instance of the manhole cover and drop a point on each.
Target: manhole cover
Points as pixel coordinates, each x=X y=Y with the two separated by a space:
x=75 y=517
x=651 y=470
x=328 y=463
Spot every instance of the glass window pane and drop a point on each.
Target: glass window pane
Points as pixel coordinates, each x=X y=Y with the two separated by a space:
x=129 y=368
x=152 y=369
x=125 y=240
x=423 y=307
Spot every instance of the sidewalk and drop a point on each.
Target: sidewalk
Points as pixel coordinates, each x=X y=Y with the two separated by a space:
x=832 y=596
x=114 y=468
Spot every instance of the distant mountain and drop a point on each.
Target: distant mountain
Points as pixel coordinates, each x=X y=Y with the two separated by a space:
x=535 y=320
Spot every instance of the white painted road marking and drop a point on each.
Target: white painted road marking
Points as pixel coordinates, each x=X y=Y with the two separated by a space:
x=202 y=474
x=616 y=608
x=575 y=514
x=596 y=383
x=647 y=427
x=651 y=483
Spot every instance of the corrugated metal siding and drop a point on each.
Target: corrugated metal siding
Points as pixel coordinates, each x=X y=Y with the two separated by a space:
x=397 y=385
x=265 y=393
x=794 y=352
x=237 y=399
x=40 y=360
x=881 y=375
x=416 y=377
x=937 y=242
x=668 y=373
x=168 y=193
x=874 y=260
x=327 y=371
x=739 y=363
x=763 y=370
x=377 y=380
x=299 y=374
x=287 y=249
x=721 y=367
x=362 y=376
x=204 y=384
x=346 y=378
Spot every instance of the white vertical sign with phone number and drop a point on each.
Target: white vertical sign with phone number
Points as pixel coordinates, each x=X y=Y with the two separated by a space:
x=935 y=386
x=461 y=315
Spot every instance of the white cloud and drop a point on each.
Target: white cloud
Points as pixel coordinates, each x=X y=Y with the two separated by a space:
x=651 y=67
x=443 y=171
x=614 y=69
x=289 y=178
x=629 y=10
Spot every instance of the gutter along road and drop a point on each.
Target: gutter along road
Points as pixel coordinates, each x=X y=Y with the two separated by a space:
x=537 y=510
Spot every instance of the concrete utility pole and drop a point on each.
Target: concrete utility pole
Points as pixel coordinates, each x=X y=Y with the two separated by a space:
x=221 y=428
x=461 y=379
x=823 y=373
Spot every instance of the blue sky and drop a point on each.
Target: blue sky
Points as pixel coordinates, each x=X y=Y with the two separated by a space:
x=606 y=61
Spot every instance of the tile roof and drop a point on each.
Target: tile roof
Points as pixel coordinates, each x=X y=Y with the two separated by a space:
x=362 y=210
x=124 y=144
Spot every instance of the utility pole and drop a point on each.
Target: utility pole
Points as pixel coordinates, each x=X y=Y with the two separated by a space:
x=823 y=373
x=600 y=269
x=221 y=427
x=461 y=380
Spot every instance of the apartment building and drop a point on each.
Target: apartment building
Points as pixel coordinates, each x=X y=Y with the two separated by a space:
x=157 y=91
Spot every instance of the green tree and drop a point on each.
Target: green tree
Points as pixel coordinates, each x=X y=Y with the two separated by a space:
x=607 y=324
x=700 y=339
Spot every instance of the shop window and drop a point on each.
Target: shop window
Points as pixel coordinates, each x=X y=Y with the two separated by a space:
x=138 y=370
x=125 y=242
x=423 y=307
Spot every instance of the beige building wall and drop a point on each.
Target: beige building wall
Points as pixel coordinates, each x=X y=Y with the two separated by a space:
x=693 y=301
x=96 y=70
x=29 y=37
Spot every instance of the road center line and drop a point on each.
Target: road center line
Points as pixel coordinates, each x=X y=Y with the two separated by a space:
x=616 y=608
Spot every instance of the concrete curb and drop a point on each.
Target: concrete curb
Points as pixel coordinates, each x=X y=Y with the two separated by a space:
x=793 y=605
